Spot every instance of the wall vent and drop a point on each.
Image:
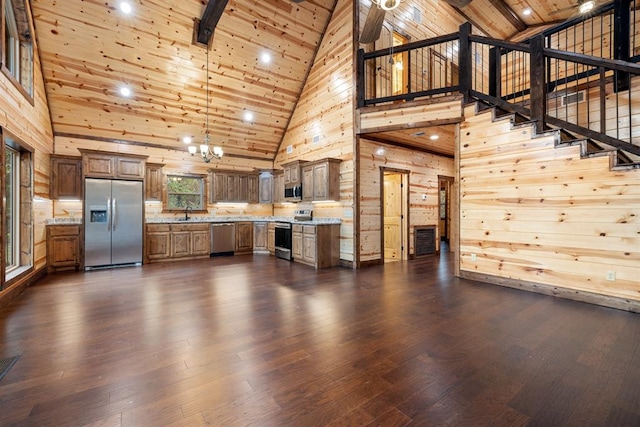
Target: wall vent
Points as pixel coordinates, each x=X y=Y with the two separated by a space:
x=572 y=98
x=424 y=240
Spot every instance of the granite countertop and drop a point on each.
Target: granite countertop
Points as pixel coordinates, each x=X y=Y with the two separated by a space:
x=217 y=219
x=210 y=219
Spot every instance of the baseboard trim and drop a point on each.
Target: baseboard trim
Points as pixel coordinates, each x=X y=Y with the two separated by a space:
x=370 y=263
x=346 y=263
x=551 y=290
x=20 y=285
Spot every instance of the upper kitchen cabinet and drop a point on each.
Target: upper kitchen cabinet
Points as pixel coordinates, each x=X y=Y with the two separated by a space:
x=228 y=186
x=101 y=164
x=291 y=173
x=321 y=180
x=153 y=182
x=66 y=178
x=278 y=187
x=266 y=188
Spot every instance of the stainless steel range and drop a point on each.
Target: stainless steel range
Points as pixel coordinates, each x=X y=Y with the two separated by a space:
x=302 y=215
x=283 y=240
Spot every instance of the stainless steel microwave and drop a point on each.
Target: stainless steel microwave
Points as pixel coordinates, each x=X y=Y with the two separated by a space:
x=293 y=193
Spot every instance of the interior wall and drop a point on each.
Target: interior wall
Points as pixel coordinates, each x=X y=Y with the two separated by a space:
x=535 y=213
x=29 y=123
x=424 y=169
x=325 y=110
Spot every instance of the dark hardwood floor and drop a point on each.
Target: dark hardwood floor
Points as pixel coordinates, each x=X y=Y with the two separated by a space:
x=260 y=341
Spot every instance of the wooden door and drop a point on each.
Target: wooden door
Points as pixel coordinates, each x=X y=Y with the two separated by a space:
x=392 y=212
x=400 y=69
x=180 y=243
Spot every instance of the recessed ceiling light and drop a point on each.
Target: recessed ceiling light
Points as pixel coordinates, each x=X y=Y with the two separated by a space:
x=125 y=91
x=434 y=137
x=248 y=116
x=187 y=140
x=527 y=11
x=380 y=151
x=125 y=7
x=587 y=6
x=265 y=57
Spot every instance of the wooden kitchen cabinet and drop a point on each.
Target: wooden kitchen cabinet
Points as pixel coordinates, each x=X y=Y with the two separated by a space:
x=253 y=189
x=158 y=242
x=296 y=243
x=233 y=187
x=260 y=232
x=321 y=180
x=278 y=187
x=271 y=238
x=66 y=178
x=166 y=242
x=64 y=243
x=316 y=245
x=291 y=172
x=153 y=182
x=102 y=164
x=244 y=237
x=265 y=188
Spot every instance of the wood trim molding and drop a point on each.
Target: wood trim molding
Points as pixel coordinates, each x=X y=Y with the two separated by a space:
x=144 y=144
x=551 y=290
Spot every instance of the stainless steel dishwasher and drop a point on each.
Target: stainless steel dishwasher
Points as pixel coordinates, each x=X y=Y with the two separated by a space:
x=223 y=238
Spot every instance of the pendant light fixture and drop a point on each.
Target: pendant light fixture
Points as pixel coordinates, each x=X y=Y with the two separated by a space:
x=207 y=152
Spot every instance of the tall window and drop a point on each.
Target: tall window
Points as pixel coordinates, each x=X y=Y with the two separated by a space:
x=12 y=209
x=17 y=51
x=17 y=225
x=184 y=192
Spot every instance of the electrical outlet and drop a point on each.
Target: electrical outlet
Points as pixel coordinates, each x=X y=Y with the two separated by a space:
x=611 y=276
x=474 y=257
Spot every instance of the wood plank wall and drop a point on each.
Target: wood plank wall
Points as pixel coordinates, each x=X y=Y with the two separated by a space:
x=29 y=123
x=325 y=109
x=175 y=162
x=622 y=110
x=423 y=171
x=534 y=213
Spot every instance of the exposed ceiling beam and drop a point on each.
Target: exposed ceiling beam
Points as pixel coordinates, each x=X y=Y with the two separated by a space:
x=509 y=14
x=210 y=17
x=474 y=23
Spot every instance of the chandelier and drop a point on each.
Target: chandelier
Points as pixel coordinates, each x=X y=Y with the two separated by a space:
x=207 y=152
x=386 y=4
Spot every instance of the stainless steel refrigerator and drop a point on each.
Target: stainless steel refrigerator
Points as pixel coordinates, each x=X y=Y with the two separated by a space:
x=112 y=222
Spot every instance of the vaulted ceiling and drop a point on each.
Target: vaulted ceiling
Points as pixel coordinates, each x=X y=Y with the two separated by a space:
x=90 y=49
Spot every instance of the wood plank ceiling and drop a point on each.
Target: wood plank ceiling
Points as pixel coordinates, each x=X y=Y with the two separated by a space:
x=89 y=49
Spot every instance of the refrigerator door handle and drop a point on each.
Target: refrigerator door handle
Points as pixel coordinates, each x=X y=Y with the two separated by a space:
x=109 y=214
x=114 y=214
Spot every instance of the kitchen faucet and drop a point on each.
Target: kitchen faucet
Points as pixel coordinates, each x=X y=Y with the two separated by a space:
x=186 y=212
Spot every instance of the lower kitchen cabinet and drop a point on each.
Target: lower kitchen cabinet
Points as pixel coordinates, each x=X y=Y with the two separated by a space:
x=316 y=245
x=64 y=243
x=271 y=238
x=158 y=241
x=244 y=237
x=176 y=241
x=260 y=231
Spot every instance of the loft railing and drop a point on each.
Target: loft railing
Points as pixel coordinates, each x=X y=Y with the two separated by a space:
x=591 y=96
